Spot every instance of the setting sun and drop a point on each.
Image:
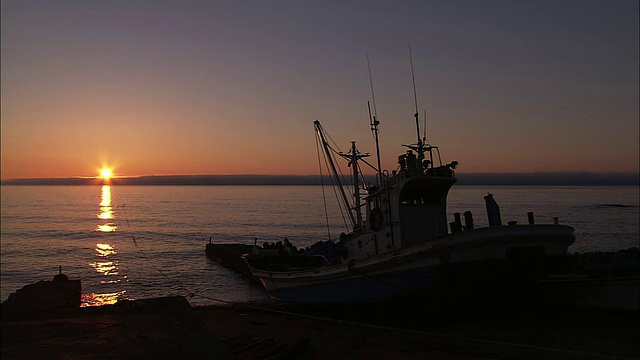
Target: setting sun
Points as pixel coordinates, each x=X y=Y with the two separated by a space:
x=105 y=173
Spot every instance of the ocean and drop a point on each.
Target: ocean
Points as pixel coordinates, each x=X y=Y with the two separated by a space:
x=138 y=242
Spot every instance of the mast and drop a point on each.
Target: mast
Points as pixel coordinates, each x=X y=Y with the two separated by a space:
x=353 y=157
x=373 y=121
x=325 y=146
x=356 y=182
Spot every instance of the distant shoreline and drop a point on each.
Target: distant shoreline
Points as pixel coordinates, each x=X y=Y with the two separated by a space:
x=477 y=179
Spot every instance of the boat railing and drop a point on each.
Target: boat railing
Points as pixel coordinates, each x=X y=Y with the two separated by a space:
x=440 y=171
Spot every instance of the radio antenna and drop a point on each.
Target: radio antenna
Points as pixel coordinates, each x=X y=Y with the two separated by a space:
x=373 y=121
x=373 y=95
x=424 y=133
x=415 y=96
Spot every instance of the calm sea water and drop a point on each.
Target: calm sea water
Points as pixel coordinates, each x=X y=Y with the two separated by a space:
x=146 y=241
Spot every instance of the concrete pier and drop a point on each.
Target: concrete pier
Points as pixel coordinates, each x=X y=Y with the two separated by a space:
x=230 y=256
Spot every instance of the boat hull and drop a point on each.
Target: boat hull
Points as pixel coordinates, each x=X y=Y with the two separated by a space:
x=508 y=256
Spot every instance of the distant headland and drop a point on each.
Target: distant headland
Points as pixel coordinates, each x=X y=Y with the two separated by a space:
x=472 y=179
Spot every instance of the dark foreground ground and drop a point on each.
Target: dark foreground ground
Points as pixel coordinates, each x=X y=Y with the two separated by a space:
x=168 y=328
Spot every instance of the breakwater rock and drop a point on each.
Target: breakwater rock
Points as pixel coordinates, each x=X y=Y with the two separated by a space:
x=598 y=265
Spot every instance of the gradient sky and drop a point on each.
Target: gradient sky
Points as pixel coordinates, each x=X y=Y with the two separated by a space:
x=233 y=87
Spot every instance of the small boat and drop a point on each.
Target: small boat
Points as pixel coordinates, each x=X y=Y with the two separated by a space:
x=404 y=245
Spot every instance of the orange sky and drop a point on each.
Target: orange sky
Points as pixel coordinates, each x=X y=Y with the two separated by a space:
x=192 y=88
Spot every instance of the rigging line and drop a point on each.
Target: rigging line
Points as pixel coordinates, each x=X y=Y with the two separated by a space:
x=338 y=173
x=347 y=206
x=333 y=142
x=181 y=286
x=363 y=181
x=324 y=197
x=336 y=152
x=338 y=169
x=211 y=298
x=135 y=242
x=345 y=180
x=571 y=353
x=341 y=206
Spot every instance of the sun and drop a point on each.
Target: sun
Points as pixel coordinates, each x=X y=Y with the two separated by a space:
x=105 y=173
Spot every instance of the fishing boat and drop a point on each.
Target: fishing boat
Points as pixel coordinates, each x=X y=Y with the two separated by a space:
x=400 y=242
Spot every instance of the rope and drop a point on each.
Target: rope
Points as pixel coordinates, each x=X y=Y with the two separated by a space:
x=183 y=288
x=341 y=206
x=135 y=242
x=434 y=334
x=324 y=197
x=191 y=294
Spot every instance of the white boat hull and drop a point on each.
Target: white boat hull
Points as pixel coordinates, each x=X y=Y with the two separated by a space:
x=523 y=253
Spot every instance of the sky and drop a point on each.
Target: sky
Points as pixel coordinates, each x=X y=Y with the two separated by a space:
x=233 y=87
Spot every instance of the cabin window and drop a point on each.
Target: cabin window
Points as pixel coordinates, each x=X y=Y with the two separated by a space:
x=419 y=196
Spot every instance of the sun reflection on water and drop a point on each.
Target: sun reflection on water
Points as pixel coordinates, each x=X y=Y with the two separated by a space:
x=100 y=299
x=106 y=211
x=108 y=268
x=105 y=250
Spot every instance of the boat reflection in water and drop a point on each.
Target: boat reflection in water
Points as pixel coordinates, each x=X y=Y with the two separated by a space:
x=104 y=264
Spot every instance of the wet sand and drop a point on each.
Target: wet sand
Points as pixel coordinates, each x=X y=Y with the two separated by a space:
x=170 y=328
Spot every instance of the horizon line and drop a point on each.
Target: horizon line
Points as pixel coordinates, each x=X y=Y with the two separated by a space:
x=536 y=178
x=98 y=177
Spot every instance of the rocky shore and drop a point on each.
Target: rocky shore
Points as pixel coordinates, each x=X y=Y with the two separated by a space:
x=599 y=264
x=171 y=328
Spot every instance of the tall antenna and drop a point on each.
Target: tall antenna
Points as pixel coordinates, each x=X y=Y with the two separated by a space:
x=374 y=121
x=415 y=96
x=424 y=133
x=373 y=96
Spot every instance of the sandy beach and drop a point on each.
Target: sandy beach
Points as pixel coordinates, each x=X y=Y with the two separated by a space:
x=171 y=328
